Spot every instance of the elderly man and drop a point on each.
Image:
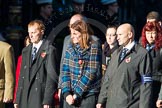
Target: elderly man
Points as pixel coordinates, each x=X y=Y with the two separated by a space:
x=38 y=76
x=128 y=80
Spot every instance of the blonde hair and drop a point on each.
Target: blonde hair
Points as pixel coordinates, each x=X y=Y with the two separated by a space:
x=82 y=27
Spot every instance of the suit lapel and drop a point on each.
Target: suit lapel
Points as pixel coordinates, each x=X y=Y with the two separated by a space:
x=130 y=52
x=26 y=54
x=118 y=55
x=29 y=56
x=38 y=60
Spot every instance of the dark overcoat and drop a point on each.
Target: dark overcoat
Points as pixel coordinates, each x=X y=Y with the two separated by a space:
x=123 y=86
x=38 y=79
x=156 y=60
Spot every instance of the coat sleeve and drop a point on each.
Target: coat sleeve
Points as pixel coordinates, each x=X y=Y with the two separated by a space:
x=51 y=78
x=102 y=98
x=103 y=91
x=160 y=94
x=146 y=85
x=9 y=73
x=20 y=80
x=157 y=73
x=65 y=75
x=66 y=43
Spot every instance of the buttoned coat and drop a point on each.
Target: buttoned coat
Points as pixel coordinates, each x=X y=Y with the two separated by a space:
x=123 y=86
x=7 y=70
x=82 y=78
x=38 y=79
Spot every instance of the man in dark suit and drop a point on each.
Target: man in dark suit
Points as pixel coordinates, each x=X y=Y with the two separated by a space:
x=127 y=82
x=38 y=75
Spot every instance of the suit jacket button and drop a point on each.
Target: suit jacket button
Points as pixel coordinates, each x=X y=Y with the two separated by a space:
x=25 y=67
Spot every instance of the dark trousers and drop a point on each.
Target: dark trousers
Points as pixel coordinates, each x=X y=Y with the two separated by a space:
x=6 y=105
x=87 y=102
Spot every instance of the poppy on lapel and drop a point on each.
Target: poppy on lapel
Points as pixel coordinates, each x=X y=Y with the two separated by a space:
x=127 y=60
x=43 y=54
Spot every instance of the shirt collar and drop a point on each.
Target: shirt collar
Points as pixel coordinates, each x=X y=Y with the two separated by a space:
x=38 y=44
x=130 y=46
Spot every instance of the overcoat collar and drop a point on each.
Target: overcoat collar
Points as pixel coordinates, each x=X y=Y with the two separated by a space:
x=27 y=54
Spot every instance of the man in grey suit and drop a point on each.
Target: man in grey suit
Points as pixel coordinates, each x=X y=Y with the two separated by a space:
x=127 y=82
x=38 y=76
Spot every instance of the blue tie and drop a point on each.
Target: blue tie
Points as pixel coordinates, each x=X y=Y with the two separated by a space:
x=34 y=51
x=123 y=54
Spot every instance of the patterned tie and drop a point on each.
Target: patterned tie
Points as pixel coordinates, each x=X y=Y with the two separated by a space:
x=123 y=54
x=34 y=51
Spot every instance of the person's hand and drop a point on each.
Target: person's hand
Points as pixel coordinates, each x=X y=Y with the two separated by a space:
x=99 y=106
x=46 y=106
x=159 y=103
x=16 y=106
x=59 y=93
x=70 y=99
x=6 y=100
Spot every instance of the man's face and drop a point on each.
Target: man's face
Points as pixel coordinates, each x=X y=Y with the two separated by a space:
x=123 y=36
x=47 y=10
x=35 y=34
x=114 y=8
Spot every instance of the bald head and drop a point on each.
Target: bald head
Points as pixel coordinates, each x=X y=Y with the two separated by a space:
x=75 y=18
x=127 y=27
x=125 y=34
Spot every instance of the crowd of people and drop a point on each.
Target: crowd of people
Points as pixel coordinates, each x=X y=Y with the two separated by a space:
x=89 y=73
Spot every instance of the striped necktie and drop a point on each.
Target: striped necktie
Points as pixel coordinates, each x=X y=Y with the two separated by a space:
x=34 y=51
x=123 y=54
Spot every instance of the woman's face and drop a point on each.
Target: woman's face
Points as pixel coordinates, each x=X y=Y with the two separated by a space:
x=151 y=36
x=111 y=36
x=75 y=36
